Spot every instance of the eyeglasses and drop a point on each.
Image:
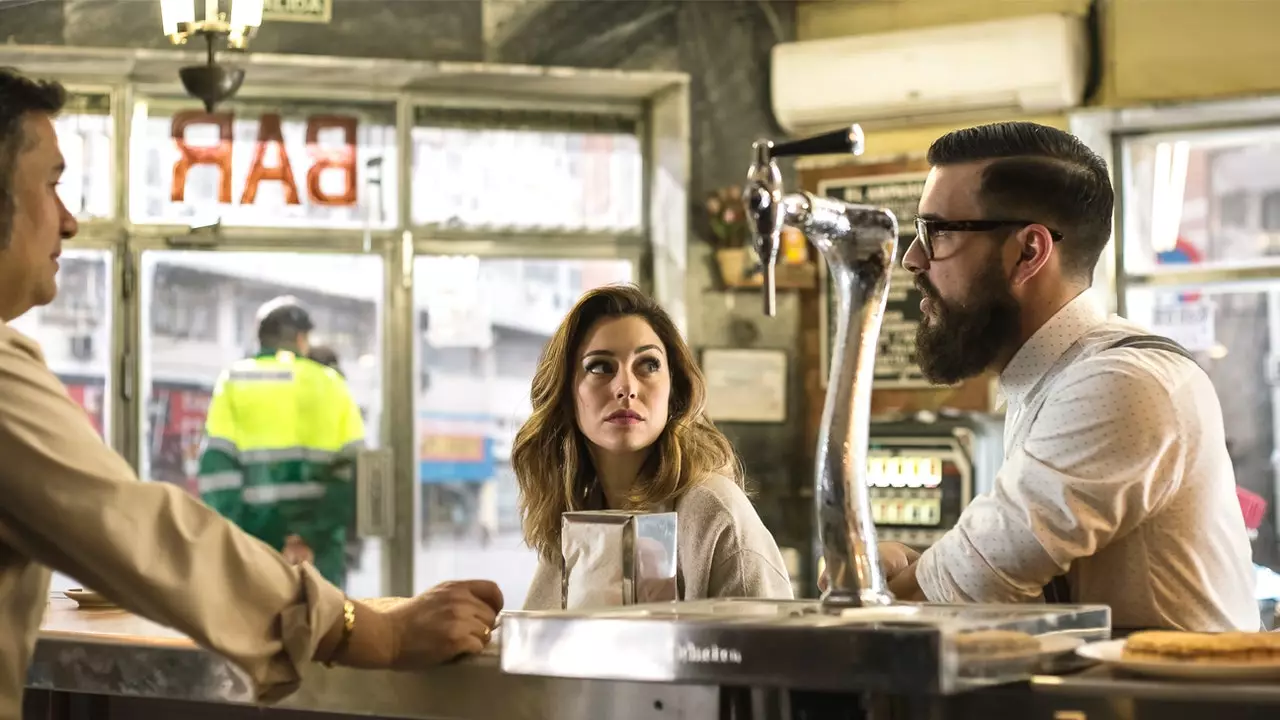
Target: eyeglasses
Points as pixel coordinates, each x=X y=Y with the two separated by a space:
x=925 y=228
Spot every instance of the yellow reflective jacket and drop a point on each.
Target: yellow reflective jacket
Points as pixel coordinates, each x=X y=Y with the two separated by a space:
x=279 y=454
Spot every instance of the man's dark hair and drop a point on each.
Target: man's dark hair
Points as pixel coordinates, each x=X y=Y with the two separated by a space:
x=19 y=96
x=1040 y=174
x=280 y=321
x=326 y=356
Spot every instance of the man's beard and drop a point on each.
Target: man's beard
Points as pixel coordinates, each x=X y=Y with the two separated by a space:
x=960 y=341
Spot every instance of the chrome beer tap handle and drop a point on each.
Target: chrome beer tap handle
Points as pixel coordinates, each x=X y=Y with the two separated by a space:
x=762 y=195
x=763 y=198
x=859 y=244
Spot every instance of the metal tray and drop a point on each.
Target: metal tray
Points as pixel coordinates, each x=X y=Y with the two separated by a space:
x=902 y=648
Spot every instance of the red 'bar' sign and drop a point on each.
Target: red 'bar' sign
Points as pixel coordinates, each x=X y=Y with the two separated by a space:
x=341 y=159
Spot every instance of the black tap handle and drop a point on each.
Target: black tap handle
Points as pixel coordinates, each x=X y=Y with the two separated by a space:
x=844 y=141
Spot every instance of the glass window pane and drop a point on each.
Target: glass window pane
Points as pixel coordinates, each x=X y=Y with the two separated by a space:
x=1235 y=335
x=1202 y=198
x=521 y=177
x=483 y=324
x=74 y=332
x=85 y=136
x=1271 y=211
x=199 y=316
x=337 y=168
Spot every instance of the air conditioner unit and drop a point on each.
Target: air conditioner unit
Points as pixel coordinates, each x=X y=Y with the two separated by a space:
x=1001 y=68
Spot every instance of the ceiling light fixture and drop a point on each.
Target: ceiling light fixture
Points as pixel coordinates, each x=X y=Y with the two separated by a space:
x=211 y=82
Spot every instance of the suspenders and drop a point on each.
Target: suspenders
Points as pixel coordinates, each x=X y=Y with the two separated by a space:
x=1059 y=589
x=1152 y=342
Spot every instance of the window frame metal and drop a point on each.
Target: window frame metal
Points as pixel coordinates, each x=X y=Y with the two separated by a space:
x=657 y=101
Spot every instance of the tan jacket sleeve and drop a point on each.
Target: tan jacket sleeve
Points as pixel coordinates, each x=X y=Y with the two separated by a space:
x=545 y=590
x=747 y=573
x=71 y=503
x=726 y=551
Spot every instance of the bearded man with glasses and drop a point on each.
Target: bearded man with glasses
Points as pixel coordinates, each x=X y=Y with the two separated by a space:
x=1116 y=486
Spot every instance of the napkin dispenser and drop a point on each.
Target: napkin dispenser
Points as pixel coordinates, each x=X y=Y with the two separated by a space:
x=614 y=558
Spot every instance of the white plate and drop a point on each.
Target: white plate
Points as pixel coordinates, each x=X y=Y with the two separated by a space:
x=88 y=599
x=881 y=614
x=1058 y=644
x=1111 y=652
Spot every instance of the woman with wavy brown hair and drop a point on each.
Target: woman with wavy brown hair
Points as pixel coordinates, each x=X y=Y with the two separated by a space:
x=619 y=423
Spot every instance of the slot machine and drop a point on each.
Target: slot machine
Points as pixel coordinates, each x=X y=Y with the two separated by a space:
x=922 y=474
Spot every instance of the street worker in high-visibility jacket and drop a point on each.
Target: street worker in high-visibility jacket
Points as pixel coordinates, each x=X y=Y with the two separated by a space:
x=281 y=441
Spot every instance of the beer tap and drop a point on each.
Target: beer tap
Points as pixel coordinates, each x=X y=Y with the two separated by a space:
x=859 y=244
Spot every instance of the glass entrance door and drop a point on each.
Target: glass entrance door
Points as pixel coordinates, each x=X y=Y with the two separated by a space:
x=199 y=315
x=481 y=326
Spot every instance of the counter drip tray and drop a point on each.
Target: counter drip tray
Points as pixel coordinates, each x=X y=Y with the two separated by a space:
x=794 y=643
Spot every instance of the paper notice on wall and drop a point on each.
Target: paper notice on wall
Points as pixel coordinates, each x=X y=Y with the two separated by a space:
x=1190 y=324
x=312 y=11
x=746 y=385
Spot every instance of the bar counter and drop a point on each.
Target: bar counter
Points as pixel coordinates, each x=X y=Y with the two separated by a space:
x=99 y=664
x=112 y=653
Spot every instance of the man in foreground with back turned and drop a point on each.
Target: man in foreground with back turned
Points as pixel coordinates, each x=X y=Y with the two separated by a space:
x=1116 y=486
x=69 y=503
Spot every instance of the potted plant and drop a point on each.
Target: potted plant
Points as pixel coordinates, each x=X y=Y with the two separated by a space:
x=739 y=264
x=736 y=256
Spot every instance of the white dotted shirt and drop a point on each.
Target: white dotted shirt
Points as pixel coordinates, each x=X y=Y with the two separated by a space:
x=1115 y=470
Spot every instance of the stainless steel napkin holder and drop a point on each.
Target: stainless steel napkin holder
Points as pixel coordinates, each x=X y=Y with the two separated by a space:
x=614 y=558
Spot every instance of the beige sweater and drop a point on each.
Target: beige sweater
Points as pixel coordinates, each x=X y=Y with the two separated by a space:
x=724 y=551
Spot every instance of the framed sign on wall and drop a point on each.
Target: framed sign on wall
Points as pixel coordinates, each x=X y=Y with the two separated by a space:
x=746 y=385
x=895 y=359
x=307 y=11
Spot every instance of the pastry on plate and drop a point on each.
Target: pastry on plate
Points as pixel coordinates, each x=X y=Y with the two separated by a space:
x=1223 y=648
x=989 y=644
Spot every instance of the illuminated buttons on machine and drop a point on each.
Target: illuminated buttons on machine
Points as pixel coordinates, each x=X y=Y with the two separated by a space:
x=918 y=483
x=905 y=490
x=904 y=472
x=906 y=510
